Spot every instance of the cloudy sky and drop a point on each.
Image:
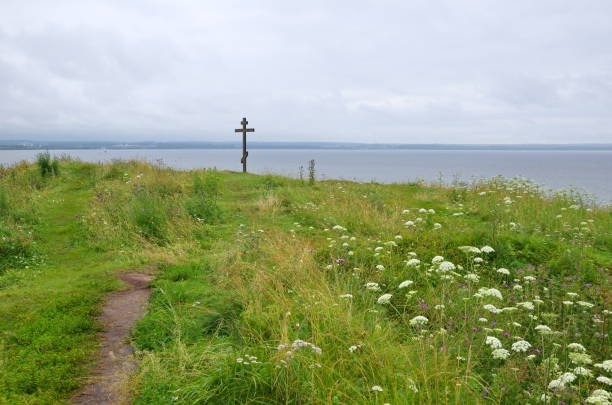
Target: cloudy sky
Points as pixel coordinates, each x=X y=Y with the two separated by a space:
x=409 y=71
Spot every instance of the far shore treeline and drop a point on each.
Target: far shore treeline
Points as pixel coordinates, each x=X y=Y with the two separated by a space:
x=57 y=145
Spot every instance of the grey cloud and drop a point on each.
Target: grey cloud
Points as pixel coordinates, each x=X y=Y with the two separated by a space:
x=386 y=71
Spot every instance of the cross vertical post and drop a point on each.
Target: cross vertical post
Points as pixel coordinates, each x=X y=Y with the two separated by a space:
x=244 y=131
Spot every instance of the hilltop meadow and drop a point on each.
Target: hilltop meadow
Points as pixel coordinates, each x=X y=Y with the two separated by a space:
x=272 y=290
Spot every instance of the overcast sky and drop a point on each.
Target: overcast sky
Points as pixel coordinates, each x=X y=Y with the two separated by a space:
x=470 y=71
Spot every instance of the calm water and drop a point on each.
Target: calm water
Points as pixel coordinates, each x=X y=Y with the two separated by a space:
x=588 y=170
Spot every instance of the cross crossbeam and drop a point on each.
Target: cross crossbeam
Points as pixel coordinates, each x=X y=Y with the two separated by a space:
x=244 y=131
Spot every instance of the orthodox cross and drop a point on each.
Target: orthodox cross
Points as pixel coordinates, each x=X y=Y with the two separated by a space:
x=244 y=131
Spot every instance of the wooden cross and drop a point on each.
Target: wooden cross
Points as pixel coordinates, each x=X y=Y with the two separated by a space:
x=244 y=130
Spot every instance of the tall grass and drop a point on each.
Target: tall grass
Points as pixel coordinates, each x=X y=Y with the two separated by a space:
x=47 y=166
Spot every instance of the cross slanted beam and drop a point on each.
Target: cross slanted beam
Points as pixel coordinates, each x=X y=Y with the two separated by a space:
x=244 y=131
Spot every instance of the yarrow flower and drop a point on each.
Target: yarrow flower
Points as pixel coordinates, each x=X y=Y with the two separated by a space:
x=380 y=267
x=582 y=371
x=405 y=283
x=413 y=262
x=599 y=397
x=418 y=320
x=543 y=329
x=527 y=305
x=493 y=342
x=606 y=365
x=604 y=380
x=372 y=286
x=503 y=271
x=384 y=299
x=580 y=358
x=576 y=347
x=487 y=249
x=346 y=296
x=521 y=346
x=446 y=266
x=490 y=292
x=500 y=354
x=437 y=260
x=377 y=388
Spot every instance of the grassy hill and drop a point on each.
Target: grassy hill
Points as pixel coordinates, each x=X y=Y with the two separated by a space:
x=276 y=291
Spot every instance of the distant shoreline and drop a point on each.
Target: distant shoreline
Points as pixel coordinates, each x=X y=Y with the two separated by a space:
x=71 y=145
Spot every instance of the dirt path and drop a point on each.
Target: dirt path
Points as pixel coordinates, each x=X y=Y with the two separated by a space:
x=107 y=384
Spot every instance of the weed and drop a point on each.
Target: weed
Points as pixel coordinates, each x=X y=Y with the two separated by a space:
x=47 y=166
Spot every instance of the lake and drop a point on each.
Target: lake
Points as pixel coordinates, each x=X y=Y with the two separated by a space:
x=590 y=171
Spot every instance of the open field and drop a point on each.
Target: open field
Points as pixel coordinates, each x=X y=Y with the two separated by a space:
x=276 y=291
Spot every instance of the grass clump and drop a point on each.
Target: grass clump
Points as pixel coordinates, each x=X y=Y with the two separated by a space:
x=47 y=165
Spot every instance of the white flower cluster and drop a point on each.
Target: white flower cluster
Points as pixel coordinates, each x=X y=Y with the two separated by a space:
x=296 y=345
x=384 y=299
x=418 y=320
x=521 y=346
x=249 y=360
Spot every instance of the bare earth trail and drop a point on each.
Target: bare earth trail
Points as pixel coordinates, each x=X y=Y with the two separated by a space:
x=108 y=381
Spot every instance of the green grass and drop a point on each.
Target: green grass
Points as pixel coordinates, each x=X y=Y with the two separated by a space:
x=253 y=265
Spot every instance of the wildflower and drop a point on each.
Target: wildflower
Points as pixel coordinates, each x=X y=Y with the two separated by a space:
x=338 y=228
x=521 y=346
x=418 y=320
x=572 y=294
x=529 y=278
x=490 y=292
x=380 y=267
x=543 y=329
x=469 y=249
x=503 y=271
x=487 y=249
x=431 y=211
x=405 y=211
x=446 y=266
x=585 y=304
x=604 y=380
x=606 y=365
x=377 y=388
x=599 y=397
x=582 y=371
x=493 y=342
x=398 y=237
x=408 y=223
x=384 y=299
x=437 y=260
x=490 y=308
x=576 y=347
x=413 y=262
x=422 y=210
x=298 y=344
x=500 y=354
x=568 y=303
x=527 y=305
x=346 y=296
x=472 y=277
x=580 y=358
x=483 y=320
x=478 y=260
x=378 y=248
x=405 y=283
x=372 y=286
x=437 y=225
x=354 y=348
